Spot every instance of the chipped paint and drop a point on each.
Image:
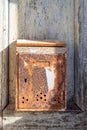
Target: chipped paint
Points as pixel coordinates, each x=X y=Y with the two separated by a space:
x=25 y=64
x=50 y=74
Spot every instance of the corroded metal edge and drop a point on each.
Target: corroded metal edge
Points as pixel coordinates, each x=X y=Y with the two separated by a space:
x=16 y=94
x=46 y=110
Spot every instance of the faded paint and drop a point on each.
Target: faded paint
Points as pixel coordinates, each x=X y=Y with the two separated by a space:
x=50 y=74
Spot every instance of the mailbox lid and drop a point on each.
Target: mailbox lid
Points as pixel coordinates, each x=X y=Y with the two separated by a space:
x=41 y=47
x=31 y=43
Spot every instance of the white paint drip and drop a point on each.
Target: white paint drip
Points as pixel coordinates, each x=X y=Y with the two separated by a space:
x=50 y=77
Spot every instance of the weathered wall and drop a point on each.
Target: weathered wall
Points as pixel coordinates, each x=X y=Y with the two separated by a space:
x=3 y=56
x=1 y=20
x=78 y=53
x=84 y=56
x=81 y=53
x=13 y=35
x=48 y=19
x=3 y=53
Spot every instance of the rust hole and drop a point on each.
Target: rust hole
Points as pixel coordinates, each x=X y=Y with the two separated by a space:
x=26 y=99
x=41 y=98
x=22 y=101
x=22 y=97
x=37 y=99
x=25 y=80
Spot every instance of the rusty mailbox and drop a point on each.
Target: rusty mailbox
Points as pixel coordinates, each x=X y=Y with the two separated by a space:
x=41 y=75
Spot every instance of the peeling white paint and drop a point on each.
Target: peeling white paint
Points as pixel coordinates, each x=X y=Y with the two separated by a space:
x=50 y=74
x=25 y=64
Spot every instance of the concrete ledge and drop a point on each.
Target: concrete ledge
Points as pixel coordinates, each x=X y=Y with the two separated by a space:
x=43 y=120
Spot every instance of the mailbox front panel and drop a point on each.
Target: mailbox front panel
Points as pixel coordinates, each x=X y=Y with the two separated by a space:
x=41 y=81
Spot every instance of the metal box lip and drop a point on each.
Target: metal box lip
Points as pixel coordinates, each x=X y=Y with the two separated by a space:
x=38 y=43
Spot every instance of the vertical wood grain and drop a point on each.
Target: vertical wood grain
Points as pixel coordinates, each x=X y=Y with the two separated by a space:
x=81 y=53
x=84 y=48
x=78 y=53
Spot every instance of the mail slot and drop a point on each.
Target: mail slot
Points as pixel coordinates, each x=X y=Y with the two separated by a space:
x=40 y=75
